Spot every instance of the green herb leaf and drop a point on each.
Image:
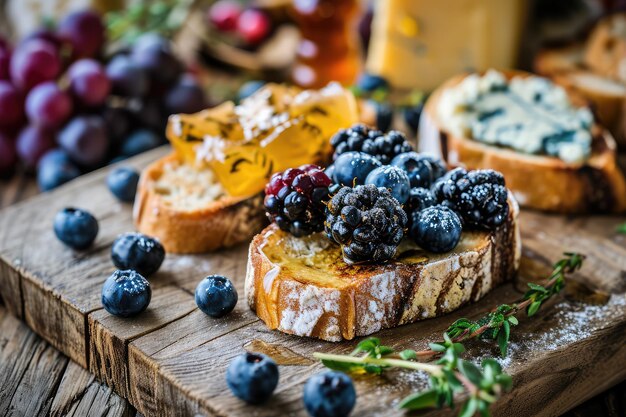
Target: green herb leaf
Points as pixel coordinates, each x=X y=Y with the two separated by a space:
x=513 y=320
x=469 y=408
x=419 y=400
x=408 y=354
x=471 y=371
x=341 y=366
x=533 y=308
x=437 y=347
x=537 y=287
x=503 y=337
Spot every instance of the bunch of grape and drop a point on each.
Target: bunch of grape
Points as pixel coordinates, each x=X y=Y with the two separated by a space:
x=64 y=110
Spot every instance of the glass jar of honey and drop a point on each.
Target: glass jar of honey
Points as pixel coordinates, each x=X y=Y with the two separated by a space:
x=329 y=49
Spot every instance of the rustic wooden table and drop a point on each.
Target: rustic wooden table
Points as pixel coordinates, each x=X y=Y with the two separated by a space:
x=36 y=379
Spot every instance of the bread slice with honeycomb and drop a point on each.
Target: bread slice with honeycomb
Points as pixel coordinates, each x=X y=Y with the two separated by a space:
x=303 y=287
x=540 y=181
x=188 y=210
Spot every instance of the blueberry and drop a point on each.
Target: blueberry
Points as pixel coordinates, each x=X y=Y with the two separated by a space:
x=54 y=169
x=330 y=171
x=370 y=82
x=75 y=227
x=412 y=116
x=351 y=166
x=138 y=252
x=122 y=182
x=139 y=141
x=252 y=377
x=392 y=178
x=249 y=88
x=384 y=115
x=436 y=229
x=422 y=169
x=126 y=293
x=329 y=394
x=216 y=296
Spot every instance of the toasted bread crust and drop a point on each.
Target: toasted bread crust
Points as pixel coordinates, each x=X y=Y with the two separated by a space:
x=375 y=297
x=605 y=50
x=538 y=182
x=223 y=223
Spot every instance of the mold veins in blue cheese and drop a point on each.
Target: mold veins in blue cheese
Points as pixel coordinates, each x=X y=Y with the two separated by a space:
x=528 y=114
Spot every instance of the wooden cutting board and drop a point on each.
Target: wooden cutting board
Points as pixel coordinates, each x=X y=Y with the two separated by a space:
x=171 y=360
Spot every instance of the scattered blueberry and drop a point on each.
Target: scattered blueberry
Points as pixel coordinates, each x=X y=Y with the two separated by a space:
x=126 y=293
x=384 y=115
x=216 y=296
x=122 y=182
x=252 y=377
x=351 y=166
x=138 y=252
x=392 y=178
x=412 y=116
x=248 y=88
x=329 y=394
x=423 y=169
x=436 y=229
x=370 y=82
x=139 y=141
x=75 y=227
x=54 y=169
x=419 y=199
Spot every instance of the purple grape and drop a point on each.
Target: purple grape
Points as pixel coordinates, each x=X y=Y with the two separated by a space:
x=34 y=62
x=118 y=122
x=85 y=141
x=55 y=168
x=48 y=106
x=11 y=105
x=186 y=96
x=154 y=54
x=85 y=31
x=46 y=35
x=5 y=62
x=151 y=115
x=89 y=82
x=32 y=143
x=127 y=79
x=8 y=153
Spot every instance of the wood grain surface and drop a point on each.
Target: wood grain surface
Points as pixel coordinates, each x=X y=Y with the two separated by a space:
x=171 y=360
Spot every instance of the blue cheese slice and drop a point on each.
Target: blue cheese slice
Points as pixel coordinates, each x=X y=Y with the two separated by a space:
x=527 y=114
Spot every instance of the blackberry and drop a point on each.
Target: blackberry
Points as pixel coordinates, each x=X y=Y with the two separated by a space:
x=295 y=199
x=367 y=222
x=373 y=142
x=419 y=199
x=479 y=197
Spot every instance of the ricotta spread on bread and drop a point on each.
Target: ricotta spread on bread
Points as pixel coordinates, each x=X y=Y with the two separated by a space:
x=527 y=114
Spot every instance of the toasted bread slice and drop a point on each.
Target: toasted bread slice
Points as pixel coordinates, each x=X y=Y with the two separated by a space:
x=188 y=210
x=605 y=51
x=549 y=62
x=539 y=182
x=302 y=286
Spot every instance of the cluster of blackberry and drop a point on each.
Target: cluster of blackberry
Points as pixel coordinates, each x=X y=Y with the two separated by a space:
x=295 y=199
x=377 y=190
x=367 y=222
x=360 y=138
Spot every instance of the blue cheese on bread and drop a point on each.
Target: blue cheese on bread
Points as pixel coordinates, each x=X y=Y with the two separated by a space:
x=527 y=114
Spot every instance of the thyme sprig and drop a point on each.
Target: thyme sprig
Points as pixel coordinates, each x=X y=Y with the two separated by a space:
x=449 y=374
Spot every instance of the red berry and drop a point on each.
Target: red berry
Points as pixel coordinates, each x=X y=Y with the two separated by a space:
x=309 y=167
x=275 y=184
x=85 y=31
x=224 y=15
x=290 y=174
x=303 y=184
x=34 y=62
x=320 y=179
x=253 y=26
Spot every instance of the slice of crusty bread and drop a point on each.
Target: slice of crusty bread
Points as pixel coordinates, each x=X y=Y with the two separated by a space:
x=549 y=62
x=539 y=182
x=302 y=286
x=188 y=211
x=605 y=50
